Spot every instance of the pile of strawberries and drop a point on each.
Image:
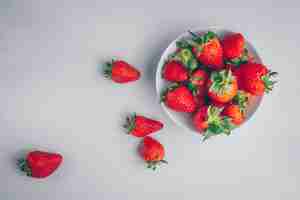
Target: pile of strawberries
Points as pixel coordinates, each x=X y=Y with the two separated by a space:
x=210 y=78
x=214 y=79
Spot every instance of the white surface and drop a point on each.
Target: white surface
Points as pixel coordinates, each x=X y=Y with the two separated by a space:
x=184 y=119
x=52 y=97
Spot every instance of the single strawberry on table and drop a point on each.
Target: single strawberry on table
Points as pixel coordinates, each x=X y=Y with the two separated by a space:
x=174 y=71
x=40 y=164
x=208 y=49
x=222 y=86
x=152 y=152
x=255 y=78
x=179 y=98
x=209 y=121
x=141 y=126
x=121 y=72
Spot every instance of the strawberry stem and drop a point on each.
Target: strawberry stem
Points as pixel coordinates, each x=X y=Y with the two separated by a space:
x=154 y=164
x=23 y=166
x=108 y=69
x=130 y=123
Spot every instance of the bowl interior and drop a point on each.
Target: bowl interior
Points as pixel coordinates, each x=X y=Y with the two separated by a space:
x=184 y=119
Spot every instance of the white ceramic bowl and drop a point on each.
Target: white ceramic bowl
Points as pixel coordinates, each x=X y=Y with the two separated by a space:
x=184 y=119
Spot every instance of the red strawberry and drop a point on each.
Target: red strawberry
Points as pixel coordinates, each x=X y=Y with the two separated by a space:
x=208 y=50
x=256 y=78
x=233 y=46
x=197 y=82
x=179 y=98
x=152 y=152
x=174 y=71
x=200 y=96
x=141 y=126
x=235 y=113
x=208 y=121
x=199 y=78
x=121 y=72
x=39 y=164
x=222 y=86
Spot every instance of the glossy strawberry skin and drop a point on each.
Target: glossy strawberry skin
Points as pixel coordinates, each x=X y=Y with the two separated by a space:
x=233 y=46
x=226 y=96
x=151 y=150
x=43 y=164
x=180 y=100
x=143 y=126
x=249 y=76
x=199 y=78
x=174 y=71
x=121 y=72
x=234 y=112
x=200 y=119
x=211 y=54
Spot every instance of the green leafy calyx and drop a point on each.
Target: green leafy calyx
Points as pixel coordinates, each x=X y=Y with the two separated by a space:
x=23 y=166
x=241 y=99
x=186 y=57
x=108 y=69
x=153 y=164
x=221 y=81
x=217 y=124
x=130 y=123
x=268 y=82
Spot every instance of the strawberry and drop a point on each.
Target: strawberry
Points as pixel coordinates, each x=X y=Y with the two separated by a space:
x=234 y=49
x=234 y=112
x=237 y=108
x=185 y=56
x=241 y=99
x=197 y=81
x=222 y=86
x=121 y=72
x=40 y=164
x=208 y=49
x=141 y=126
x=233 y=46
x=255 y=78
x=174 y=71
x=200 y=96
x=199 y=77
x=152 y=152
x=209 y=121
x=179 y=98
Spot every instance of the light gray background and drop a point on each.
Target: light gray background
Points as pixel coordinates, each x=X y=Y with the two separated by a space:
x=52 y=97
